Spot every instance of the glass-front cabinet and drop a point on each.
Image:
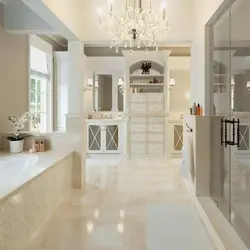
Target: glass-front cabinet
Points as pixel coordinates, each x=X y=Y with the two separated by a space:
x=103 y=138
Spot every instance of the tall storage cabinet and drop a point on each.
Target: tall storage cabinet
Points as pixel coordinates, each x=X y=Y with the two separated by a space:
x=146 y=102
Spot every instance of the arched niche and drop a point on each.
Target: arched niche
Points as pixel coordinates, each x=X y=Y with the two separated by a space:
x=156 y=68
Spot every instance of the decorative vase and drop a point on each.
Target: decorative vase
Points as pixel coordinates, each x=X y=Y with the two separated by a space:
x=16 y=146
x=146 y=67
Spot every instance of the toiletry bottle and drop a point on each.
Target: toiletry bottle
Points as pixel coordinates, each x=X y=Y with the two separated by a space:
x=194 y=109
x=37 y=145
x=198 y=110
x=190 y=111
x=42 y=146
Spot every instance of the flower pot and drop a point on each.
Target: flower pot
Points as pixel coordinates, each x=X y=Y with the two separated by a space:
x=16 y=146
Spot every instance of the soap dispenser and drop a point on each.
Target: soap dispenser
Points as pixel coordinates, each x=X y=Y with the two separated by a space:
x=194 y=109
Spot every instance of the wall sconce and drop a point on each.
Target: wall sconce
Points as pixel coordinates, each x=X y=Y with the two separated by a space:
x=171 y=84
x=90 y=85
x=248 y=85
x=121 y=85
x=232 y=82
x=187 y=95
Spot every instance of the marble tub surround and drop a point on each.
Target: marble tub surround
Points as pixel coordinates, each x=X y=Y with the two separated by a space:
x=18 y=169
x=24 y=210
x=138 y=204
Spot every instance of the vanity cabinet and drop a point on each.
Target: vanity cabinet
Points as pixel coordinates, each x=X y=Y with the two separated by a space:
x=175 y=137
x=104 y=136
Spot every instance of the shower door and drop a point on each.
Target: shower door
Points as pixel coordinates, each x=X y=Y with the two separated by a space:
x=230 y=178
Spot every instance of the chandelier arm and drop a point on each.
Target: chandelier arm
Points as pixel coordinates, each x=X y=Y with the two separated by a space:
x=136 y=26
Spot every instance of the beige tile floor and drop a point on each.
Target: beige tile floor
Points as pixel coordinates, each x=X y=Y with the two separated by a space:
x=133 y=205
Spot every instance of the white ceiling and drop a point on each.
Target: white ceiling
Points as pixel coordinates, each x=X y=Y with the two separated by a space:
x=180 y=15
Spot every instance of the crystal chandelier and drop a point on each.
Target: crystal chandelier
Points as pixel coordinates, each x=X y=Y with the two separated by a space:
x=132 y=26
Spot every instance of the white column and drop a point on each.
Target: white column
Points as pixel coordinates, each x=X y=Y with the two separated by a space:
x=76 y=79
x=75 y=124
x=115 y=92
x=126 y=86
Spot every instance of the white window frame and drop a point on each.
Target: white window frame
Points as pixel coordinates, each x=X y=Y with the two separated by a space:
x=40 y=44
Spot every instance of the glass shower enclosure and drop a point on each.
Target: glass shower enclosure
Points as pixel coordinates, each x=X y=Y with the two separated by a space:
x=230 y=176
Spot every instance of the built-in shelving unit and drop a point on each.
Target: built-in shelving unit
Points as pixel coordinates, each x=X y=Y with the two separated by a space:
x=147 y=104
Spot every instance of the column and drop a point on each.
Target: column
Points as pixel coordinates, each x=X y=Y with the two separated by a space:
x=75 y=125
x=115 y=92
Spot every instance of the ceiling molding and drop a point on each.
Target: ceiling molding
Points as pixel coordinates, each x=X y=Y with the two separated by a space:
x=108 y=52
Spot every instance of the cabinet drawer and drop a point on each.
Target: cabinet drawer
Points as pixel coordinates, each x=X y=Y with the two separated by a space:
x=156 y=148
x=138 y=127
x=138 y=137
x=156 y=119
x=155 y=107
x=138 y=119
x=138 y=148
x=156 y=137
x=138 y=107
x=157 y=127
x=155 y=98
x=138 y=98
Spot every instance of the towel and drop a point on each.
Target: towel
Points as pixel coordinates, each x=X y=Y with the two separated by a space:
x=187 y=164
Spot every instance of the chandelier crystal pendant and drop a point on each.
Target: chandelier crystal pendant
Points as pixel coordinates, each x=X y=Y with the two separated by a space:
x=132 y=26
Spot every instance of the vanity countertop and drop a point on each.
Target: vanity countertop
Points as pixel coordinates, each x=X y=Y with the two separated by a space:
x=105 y=120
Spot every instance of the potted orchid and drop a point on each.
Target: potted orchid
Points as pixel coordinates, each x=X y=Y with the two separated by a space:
x=16 y=140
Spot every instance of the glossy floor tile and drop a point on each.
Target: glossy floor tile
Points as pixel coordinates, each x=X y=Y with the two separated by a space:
x=130 y=205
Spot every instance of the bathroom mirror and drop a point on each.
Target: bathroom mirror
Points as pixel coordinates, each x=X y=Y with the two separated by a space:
x=104 y=92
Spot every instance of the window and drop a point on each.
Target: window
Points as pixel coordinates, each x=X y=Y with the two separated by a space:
x=40 y=91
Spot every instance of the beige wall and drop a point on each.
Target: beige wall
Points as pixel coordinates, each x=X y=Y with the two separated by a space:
x=178 y=101
x=13 y=75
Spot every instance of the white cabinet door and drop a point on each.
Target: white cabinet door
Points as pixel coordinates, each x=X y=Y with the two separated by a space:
x=155 y=98
x=138 y=107
x=155 y=107
x=138 y=148
x=155 y=128
x=156 y=119
x=94 y=138
x=112 y=139
x=156 y=148
x=139 y=137
x=134 y=127
x=137 y=119
x=138 y=98
x=156 y=137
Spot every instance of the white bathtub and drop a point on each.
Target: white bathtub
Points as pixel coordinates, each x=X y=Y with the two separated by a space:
x=17 y=169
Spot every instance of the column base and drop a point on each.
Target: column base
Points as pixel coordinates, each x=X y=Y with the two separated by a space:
x=75 y=126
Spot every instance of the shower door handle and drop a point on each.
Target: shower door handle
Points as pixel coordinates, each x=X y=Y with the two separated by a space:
x=224 y=132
